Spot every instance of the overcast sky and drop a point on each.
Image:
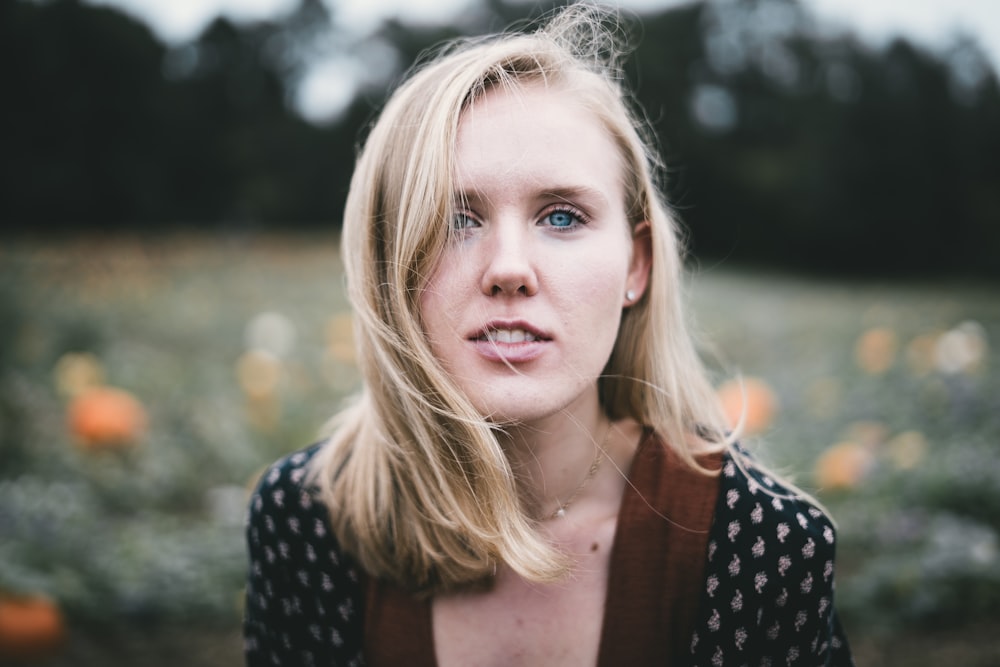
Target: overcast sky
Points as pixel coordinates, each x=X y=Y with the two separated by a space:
x=929 y=22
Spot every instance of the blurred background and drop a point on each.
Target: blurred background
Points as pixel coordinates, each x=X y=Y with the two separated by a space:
x=173 y=315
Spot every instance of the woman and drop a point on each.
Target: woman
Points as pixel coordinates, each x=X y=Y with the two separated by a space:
x=536 y=471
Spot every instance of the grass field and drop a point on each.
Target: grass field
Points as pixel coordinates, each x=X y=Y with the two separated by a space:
x=236 y=349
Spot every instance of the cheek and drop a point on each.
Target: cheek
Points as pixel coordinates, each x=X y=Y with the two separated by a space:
x=441 y=301
x=433 y=311
x=596 y=284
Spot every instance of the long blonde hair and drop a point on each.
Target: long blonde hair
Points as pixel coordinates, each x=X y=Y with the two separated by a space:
x=419 y=489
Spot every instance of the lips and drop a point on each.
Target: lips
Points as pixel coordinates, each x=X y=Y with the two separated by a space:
x=509 y=333
x=510 y=342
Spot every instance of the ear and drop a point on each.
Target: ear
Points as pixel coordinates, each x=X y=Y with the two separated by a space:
x=642 y=262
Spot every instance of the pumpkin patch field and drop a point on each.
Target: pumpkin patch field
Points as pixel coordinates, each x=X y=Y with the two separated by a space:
x=145 y=383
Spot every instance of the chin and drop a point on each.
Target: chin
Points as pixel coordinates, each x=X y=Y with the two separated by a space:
x=515 y=417
x=524 y=408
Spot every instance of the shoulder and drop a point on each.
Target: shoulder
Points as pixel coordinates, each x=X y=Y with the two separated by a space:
x=757 y=509
x=304 y=594
x=286 y=519
x=766 y=529
x=284 y=482
x=282 y=505
x=289 y=471
x=769 y=572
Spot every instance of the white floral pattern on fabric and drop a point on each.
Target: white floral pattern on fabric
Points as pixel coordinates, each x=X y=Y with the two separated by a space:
x=780 y=609
x=302 y=596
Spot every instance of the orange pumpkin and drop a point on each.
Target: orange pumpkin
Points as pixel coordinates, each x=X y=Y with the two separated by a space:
x=106 y=418
x=875 y=350
x=751 y=398
x=843 y=465
x=907 y=450
x=921 y=353
x=31 y=627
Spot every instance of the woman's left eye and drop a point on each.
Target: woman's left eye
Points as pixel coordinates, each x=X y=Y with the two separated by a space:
x=562 y=219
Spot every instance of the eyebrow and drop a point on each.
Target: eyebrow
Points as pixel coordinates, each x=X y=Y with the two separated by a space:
x=566 y=193
x=572 y=192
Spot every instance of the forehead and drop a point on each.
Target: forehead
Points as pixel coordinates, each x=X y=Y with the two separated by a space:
x=536 y=134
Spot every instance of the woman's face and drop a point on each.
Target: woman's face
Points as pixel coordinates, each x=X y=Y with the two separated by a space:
x=524 y=305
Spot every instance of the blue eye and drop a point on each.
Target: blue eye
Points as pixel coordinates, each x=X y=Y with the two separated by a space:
x=463 y=221
x=562 y=219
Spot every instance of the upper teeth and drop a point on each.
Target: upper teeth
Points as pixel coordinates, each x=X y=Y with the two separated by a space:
x=510 y=336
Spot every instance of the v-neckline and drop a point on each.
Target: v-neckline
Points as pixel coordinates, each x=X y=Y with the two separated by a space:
x=655 y=569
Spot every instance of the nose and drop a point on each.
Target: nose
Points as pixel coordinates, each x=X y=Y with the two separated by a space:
x=509 y=269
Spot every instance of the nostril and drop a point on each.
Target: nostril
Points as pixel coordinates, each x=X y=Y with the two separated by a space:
x=498 y=290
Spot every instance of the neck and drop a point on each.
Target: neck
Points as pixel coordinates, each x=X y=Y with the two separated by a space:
x=555 y=457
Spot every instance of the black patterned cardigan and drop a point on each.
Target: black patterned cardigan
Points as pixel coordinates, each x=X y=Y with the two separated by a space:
x=767 y=601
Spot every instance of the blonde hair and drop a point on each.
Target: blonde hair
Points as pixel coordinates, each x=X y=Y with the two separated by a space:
x=419 y=488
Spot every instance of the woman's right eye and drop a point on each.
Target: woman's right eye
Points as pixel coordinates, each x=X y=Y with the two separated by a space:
x=463 y=221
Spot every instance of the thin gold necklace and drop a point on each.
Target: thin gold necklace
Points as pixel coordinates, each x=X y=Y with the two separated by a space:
x=598 y=457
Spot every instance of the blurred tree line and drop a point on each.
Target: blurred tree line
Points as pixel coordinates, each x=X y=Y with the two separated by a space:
x=785 y=144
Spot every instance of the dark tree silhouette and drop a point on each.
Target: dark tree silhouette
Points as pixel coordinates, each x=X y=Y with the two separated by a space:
x=783 y=145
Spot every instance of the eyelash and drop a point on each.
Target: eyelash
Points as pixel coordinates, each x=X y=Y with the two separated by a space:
x=463 y=216
x=579 y=219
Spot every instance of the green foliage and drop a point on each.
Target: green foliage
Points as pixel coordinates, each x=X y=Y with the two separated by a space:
x=918 y=528
x=151 y=532
x=152 y=535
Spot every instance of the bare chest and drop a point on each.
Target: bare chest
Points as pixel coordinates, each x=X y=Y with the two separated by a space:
x=517 y=623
